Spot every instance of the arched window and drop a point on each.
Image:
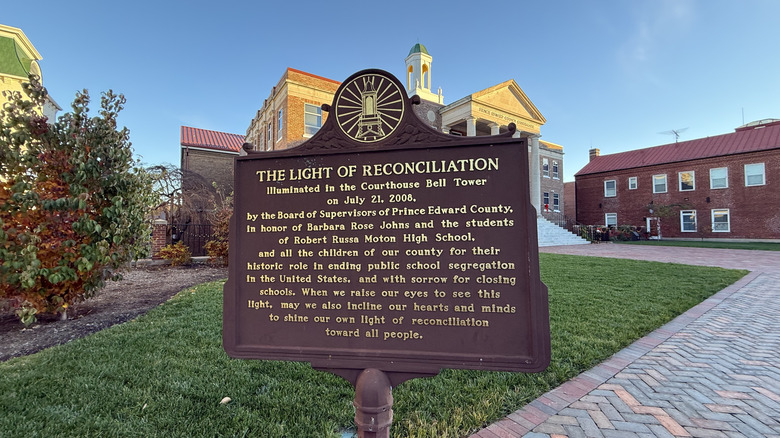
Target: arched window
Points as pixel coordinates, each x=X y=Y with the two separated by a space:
x=36 y=70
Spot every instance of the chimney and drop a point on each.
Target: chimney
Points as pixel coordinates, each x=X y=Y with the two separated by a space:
x=593 y=153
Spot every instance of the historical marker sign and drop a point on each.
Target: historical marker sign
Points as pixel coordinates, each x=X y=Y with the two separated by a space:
x=382 y=243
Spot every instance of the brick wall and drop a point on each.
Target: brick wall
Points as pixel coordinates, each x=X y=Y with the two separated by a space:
x=295 y=121
x=212 y=166
x=303 y=88
x=569 y=201
x=425 y=110
x=754 y=211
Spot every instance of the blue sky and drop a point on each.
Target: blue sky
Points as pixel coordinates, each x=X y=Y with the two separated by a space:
x=611 y=74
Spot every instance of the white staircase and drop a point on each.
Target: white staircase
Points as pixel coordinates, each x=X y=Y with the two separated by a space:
x=550 y=234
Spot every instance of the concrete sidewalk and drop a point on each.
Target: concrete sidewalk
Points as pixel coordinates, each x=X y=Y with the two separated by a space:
x=714 y=371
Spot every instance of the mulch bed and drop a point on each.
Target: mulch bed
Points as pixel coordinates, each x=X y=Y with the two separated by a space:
x=140 y=290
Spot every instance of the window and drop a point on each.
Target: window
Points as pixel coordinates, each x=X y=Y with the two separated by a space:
x=632 y=183
x=545 y=167
x=720 y=220
x=754 y=174
x=280 y=125
x=659 y=183
x=610 y=219
x=312 y=119
x=270 y=134
x=610 y=188
x=556 y=202
x=555 y=170
x=546 y=198
x=688 y=221
x=719 y=178
x=687 y=181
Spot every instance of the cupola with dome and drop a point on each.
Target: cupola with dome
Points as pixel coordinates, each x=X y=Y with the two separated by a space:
x=418 y=75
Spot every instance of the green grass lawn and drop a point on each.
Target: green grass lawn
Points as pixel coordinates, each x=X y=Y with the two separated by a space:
x=760 y=246
x=164 y=374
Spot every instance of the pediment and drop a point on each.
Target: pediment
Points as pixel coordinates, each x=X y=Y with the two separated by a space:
x=508 y=97
x=18 y=36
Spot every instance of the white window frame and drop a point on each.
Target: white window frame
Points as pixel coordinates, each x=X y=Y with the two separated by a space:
x=545 y=167
x=555 y=170
x=270 y=134
x=609 y=223
x=683 y=215
x=614 y=188
x=713 y=178
x=280 y=123
x=310 y=109
x=721 y=211
x=545 y=198
x=632 y=183
x=753 y=174
x=556 y=202
x=655 y=185
x=680 y=180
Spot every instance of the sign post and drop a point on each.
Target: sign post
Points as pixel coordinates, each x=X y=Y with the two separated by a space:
x=383 y=250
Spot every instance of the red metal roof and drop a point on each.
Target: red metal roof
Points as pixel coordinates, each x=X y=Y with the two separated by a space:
x=759 y=138
x=203 y=138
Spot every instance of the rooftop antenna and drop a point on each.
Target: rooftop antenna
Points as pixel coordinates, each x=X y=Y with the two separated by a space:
x=675 y=132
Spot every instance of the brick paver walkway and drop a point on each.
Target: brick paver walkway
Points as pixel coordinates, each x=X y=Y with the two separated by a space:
x=712 y=372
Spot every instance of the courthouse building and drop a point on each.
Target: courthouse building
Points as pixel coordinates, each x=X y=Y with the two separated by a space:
x=292 y=113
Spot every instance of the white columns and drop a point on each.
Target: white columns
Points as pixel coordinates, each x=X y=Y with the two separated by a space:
x=534 y=174
x=494 y=128
x=471 y=127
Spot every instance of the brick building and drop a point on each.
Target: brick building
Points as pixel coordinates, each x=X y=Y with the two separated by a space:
x=207 y=160
x=721 y=187
x=292 y=113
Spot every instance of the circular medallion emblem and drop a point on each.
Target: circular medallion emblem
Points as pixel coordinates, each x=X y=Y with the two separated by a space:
x=369 y=107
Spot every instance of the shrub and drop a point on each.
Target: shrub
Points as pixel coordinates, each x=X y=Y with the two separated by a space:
x=622 y=233
x=178 y=254
x=73 y=201
x=217 y=247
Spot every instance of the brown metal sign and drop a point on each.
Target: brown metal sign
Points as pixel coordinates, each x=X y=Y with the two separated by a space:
x=382 y=243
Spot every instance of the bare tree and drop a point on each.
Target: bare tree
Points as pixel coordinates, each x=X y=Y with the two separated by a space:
x=167 y=187
x=184 y=196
